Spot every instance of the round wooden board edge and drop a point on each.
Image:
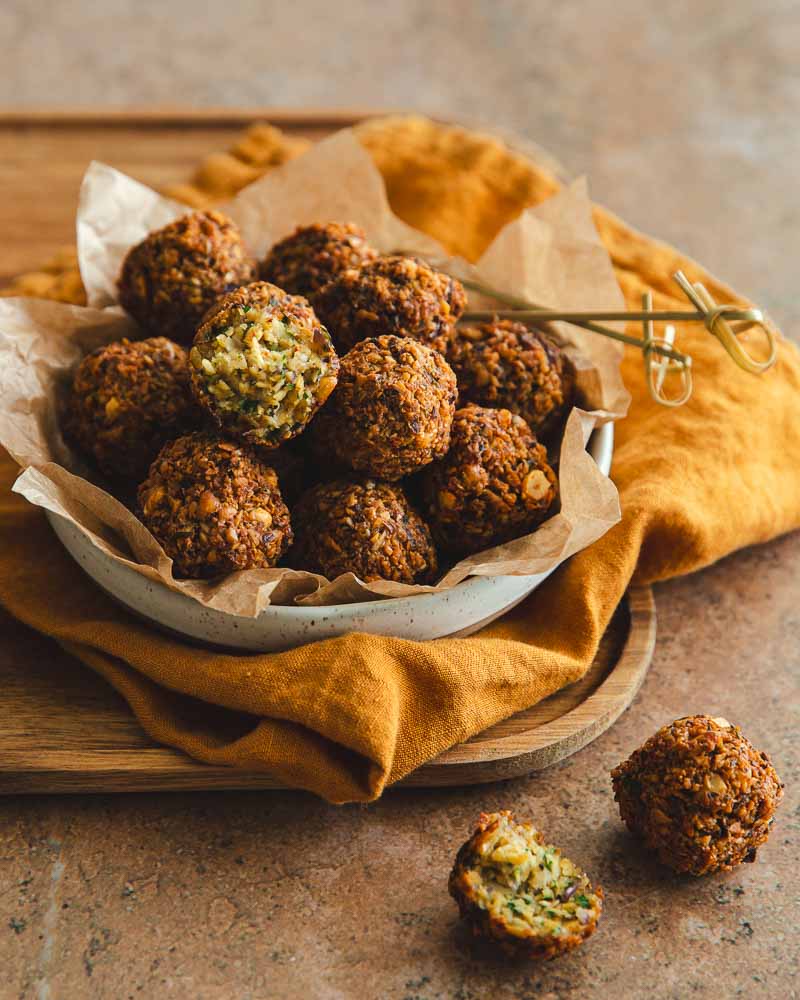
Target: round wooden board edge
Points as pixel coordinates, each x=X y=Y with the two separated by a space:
x=523 y=753
x=63 y=772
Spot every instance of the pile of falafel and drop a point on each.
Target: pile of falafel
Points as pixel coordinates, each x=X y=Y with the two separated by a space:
x=320 y=409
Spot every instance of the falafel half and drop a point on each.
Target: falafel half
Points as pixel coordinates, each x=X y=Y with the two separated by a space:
x=505 y=364
x=175 y=274
x=314 y=255
x=699 y=794
x=493 y=485
x=127 y=400
x=214 y=507
x=262 y=364
x=392 y=410
x=521 y=893
x=366 y=528
x=395 y=295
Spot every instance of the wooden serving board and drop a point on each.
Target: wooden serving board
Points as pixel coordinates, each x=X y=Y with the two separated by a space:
x=63 y=729
x=44 y=154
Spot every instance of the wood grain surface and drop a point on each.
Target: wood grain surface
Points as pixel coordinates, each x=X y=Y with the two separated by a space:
x=62 y=729
x=156 y=146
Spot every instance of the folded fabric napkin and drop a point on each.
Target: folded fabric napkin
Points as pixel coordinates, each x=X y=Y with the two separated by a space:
x=347 y=717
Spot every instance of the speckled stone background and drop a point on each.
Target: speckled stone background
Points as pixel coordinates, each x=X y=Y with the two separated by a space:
x=684 y=116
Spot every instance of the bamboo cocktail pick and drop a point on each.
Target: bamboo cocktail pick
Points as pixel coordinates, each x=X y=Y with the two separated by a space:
x=661 y=358
x=657 y=369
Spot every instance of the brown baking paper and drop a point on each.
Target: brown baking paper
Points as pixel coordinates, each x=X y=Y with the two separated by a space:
x=551 y=255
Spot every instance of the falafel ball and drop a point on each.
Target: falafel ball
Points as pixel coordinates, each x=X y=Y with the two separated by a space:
x=493 y=485
x=214 y=507
x=391 y=295
x=127 y=400
x=503 y=363
x=367 y=528
x=392 y=410
x=699 y=794
x=521 y=893
x=313 y=255
x=262 y=364
x=175 y=274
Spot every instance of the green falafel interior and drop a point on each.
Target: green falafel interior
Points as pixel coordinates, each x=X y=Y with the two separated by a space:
x=514 y=887
x=263 y=371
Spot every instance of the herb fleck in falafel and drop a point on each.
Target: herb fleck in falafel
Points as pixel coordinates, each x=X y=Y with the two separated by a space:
x=392 y=410
x=367 y=528
x=503 y=363
x=127 y=400
x=262 y=364
x=699 y=794
x=313 y=255
x=493 y=485
x=175 y=274
x=391 y=295
x=521 y=893
x=214 y=507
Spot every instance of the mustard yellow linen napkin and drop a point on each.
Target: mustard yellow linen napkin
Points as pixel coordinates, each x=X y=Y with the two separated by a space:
x=347 y=717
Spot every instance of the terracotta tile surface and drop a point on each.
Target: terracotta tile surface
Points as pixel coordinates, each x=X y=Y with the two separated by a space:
x=684 y=116
x=278 y=895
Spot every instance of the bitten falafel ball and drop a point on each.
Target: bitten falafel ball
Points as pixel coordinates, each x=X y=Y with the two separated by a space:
x=521 y=893
x=313 y=255
x=392 y=410
x=699 y=794
x=262 y=364
x=367 y=528
x=493 y=485
x=503 y=363
x=175 y=274
x=391 y=295
x=214 y=507
x=128 y=400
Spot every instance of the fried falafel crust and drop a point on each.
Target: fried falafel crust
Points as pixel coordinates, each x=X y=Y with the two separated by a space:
x=127 y=400
x=699 y=794
x=214 y=507
x=262 y=364
x=367 y=528
x=520 y=893
x=395 y=295
x=493 y=485
x=504 y=364
x=392 y=410
x=314 y=255
x=170 y=279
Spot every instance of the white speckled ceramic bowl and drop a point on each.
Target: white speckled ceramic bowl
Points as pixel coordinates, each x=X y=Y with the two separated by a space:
x=460 y=610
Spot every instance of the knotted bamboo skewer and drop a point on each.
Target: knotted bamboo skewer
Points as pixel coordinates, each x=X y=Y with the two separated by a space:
x=661 y=358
